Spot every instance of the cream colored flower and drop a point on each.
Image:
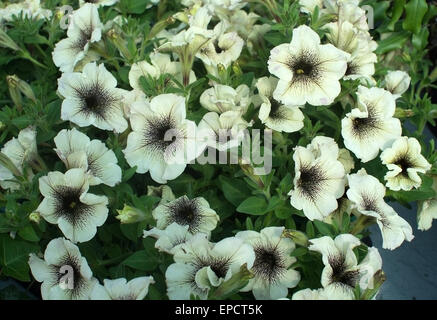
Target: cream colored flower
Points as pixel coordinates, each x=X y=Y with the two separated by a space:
x=85 y=28
x=121 y=289
x=342 y=272
x=397 y=82
x=196 y=213
x=404 y=161
x=171 y=238
x=272 y=273
x=64 y=273
x=224 y=131
x=160 y=64
x=76 y=150
x=20 y=150
x=367 y=195
x=68 y=204
x=307 y=71
x=276 y=116
x=371 y=126
x=318 y=183
x=427 y=211
x=162 y=141
x=202 y=265
x=91 y=98
x=221 y=98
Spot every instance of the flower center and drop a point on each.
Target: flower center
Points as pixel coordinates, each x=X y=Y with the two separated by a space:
x=185 y=212
x=340 y=274
x=404 y=162
x=269 y=263
x=69 y=206
x=310 y=181
x=95 y=99
x=160 y=133
x=220 y=266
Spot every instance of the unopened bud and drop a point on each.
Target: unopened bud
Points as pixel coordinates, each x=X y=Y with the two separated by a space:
x=130 y=215
x=298 y=237
x=35 y=217
x=23 y=86
x=404 y=113
x=7 y=42
x=14 y=92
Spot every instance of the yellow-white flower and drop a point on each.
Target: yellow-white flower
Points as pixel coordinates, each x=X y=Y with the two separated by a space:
x=271 y=268
x=342 y=273
x=28 y=8
x=222 y=132
x=371 y=126
x=171 y=238
x=427 y=211
x=85 y=28
x=307 y=71
x=100 y=3
x=319 y=182
x=358 y=44
x=202 y=265
x=91 y=98
x=329 y=293
x=196 y=213
x=160 y=64
x=347 y=10
x=162 y=141
x=397 y=82
x=367 y=195
x=68 y=204
x=221 y=98
x=121 y=289
x=64 y=273
x=276 y=116
x=20 y=150
x=404 y=161
x=308 y=6
x=76 y=150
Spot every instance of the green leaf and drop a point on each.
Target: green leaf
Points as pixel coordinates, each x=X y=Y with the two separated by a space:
x=234 y=190
x=395 y=41
x=254 y=206
x=310 y=230
x=14 y=257
x=398 y=9
x=28 y=233
x=415 y=11
x=141 y=260
x=324 y=228
x=127 y=174
x=134 y=6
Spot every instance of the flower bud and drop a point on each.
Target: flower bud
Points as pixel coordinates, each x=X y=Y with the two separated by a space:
x=14 y=92
x=298 y=237
x=35 y=217
x=7 y=42
x=130 y=215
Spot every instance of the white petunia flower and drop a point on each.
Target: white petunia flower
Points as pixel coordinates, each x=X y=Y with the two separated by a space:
x=76 y=150
x=223 y=131
x=68 y=204
x=255 y=39
x=201 y=265
x=223 y=48
x=221 y=98
x=371 y=127
x=318 y=183
x=367 y=195
x=272 y=273
x=160 y=64
x=276 y=116
x=85 y=28
x=162 y=141
x=121 y=289
x=20 y=150
x=30 y=9
x=64 y=273
x=171 y=238
x=91 y=98
x=328 y=293
x=307 y=71
x=342 y=273
x=358 y=44
x=427 y=211
x=404 y=161
x=397 y=82
x=242 y=22
x=99 y=3
x=196 y=213
x=308 y=6
x=347 y=10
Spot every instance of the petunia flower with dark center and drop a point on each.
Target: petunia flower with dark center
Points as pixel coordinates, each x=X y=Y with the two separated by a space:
x=185 y=212
x=269 y=262
x=340 y=273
